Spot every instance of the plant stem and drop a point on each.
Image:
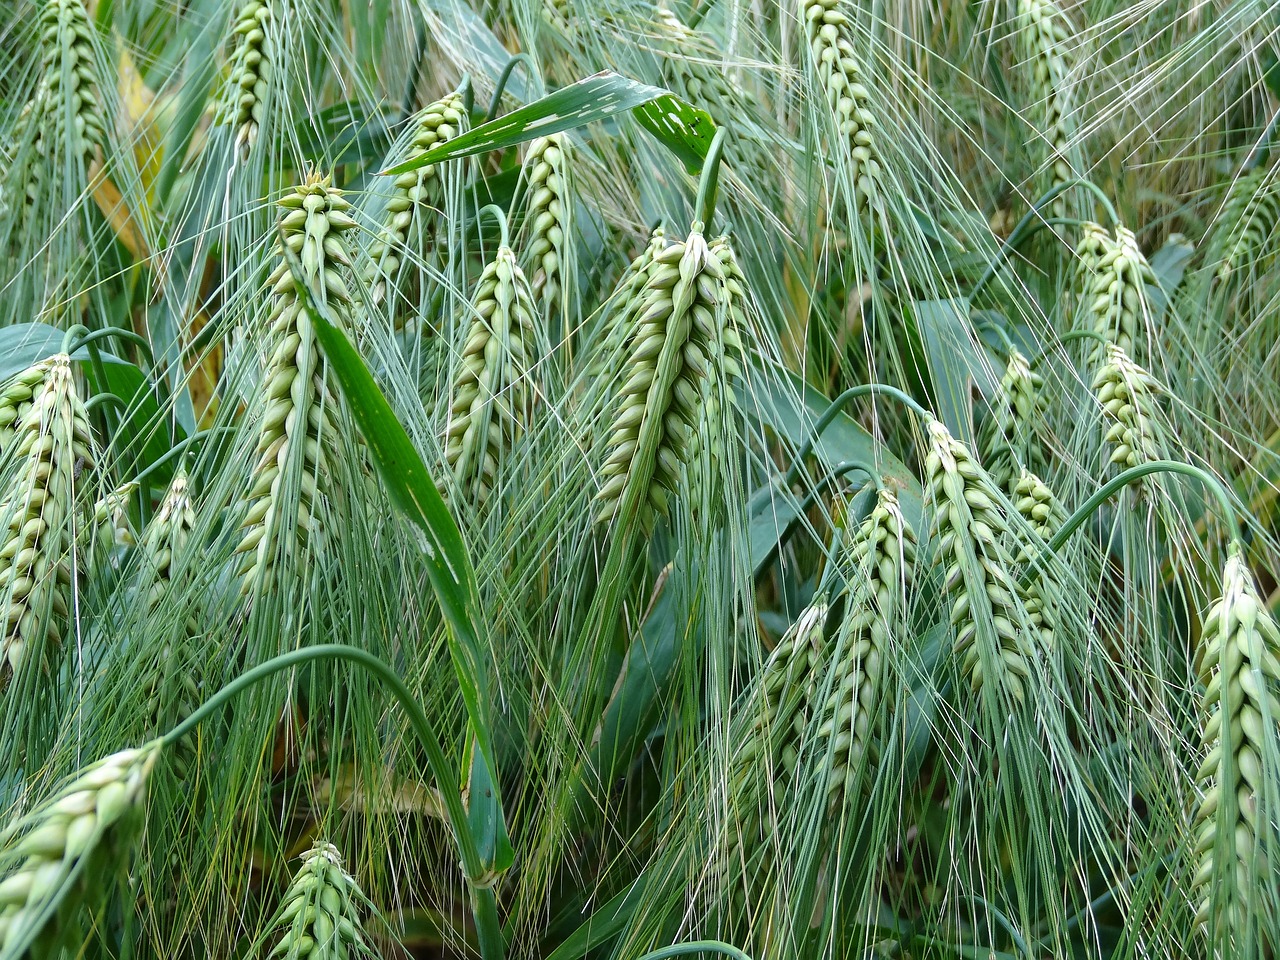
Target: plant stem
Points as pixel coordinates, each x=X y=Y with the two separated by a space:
x=1214 y=486
x=828 y=415
x=696 y=946
x=496 y=102
x=704 y=207
x=485 y=909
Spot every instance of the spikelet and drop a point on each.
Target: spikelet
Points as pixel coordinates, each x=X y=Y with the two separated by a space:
x=1045 y=34
x=170 y=680
x=547 y=168
x=248 y=81
x=1115 y=295
x=413 y=194
x=655 y=429
x=1044 y=514
x=66 y=37
x=298 y=410
x=491 y=398
x=1008 y=438
x=1248 y=219
x=1127 y=394
x=49 y=447
x=836 y=67
x=689 y=69
x=55 y=860
x=320 y=915
x=1234 y=827
x=877 y=563
x=970 y=532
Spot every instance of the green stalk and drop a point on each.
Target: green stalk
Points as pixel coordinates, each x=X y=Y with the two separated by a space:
x=696 y=946
x=484 y=907
x=704 y=207
x=828 y=415
x=1105 y=492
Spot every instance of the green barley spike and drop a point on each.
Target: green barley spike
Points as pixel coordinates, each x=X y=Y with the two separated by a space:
x=621 y=310
x=68 y=56
x=54 y=860
x=1248 y=221
x=654 y=430
x=548 y=167
x=320 y=917
x=491 y=398
x=877 y=562
x=297 y=422
x=248 y=82
x=413 y=194
x=1046 y=35
x=1008 y=438
x=1115 y=277
x=1127 y=394
x=971 y=533
x=49 y=447
x=1235 y=824
x=1045 y=515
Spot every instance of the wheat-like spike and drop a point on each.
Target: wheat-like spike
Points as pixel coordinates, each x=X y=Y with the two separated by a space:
x=51 y=443
x=66 y=36
x=1249 y=218
x=688 y=70
x=1241 y=715
x=16 y=397
x=491 y=398
x=770 y=746
x=971 y=533
x=413 y=194
x=877 y=563
x=836 y=65
x=1127 y=394
x=556 y=13
x=298 y=409
x=1046 y=35
x=1115 y=289
x=54 y=860
x=548 y=167
x=170 y=687
x=1008 y=438
x=658 y=414
x=1043 y=511
x=320 y=916
x=622 y=307
x=249 y=73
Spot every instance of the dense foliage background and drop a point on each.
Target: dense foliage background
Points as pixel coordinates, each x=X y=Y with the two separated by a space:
x=686 y=403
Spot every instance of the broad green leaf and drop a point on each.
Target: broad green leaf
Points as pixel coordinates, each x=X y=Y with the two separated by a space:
x=683 y=129
x=955 y=364
x=414 y=493
x=680 y=127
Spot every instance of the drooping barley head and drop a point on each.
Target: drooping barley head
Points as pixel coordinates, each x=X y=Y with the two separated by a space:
x=413 y=195
x=690 y=69
x=1046 y=35
x=1127 y=394
x=297 y=421
x=320 y=917
x=970 y=534
x=70 y=86
x=49 y=448
x=877 y=566
x=54 y=860
x=244 y=97
x=1243 y=239
x=1235 y=824
x=491 y=397
x=547 y=170
x=836 y=66
x=1044 y=514
x=654 y=430
x=1009 y=436
x=613 y=344
x=1115 y=277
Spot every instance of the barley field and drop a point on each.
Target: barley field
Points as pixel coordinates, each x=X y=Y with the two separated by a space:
x=628 y=479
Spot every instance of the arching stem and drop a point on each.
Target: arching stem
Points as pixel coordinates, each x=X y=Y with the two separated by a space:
x=1032 y=221
x=496 y=103
x=490 y=934
x=1122 y=480
x=697 y=946
x=1066 y=338
x=704 y=207
x=499 y=215
x=838 y=404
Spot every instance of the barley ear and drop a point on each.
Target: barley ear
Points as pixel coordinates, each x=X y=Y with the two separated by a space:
x=49 y=447
x=1127 y=394
x=1045 y=515
x=491 y=398
x=248 y=82
x=654 y=430
x=1235 y=829
x=413 y=196
x=1248 y=219
x=1115 y=275
x=296 y=427
x=320 y=916
x=547 y=170
x=54 y=860
x=1008 y=438
x=970 y=533
x=1046 y=35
